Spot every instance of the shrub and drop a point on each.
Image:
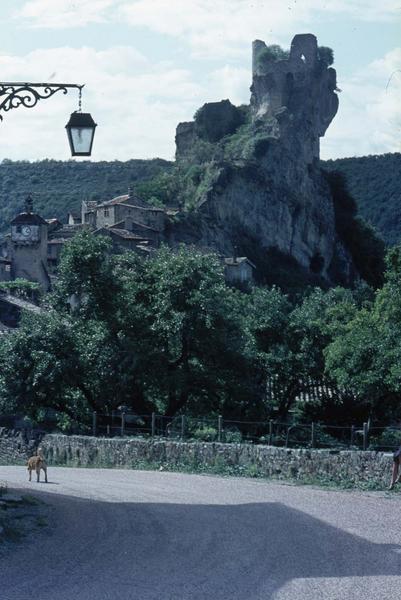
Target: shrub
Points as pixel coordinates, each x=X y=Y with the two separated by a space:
x=22 y=288
x=389 y=439
x=326 y=55
x=232 y=436
x=205 y=433
x=272 y=53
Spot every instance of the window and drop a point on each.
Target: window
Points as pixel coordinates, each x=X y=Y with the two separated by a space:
x=106 y=212
x=18 y=229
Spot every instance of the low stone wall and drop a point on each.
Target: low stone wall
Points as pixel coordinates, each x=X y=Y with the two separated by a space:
x=16 y=446
x=351 y=467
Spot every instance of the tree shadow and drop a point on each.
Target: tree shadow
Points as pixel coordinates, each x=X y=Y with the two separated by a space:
x=145 y=551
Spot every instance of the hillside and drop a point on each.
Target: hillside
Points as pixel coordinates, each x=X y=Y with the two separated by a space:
x=58 y=187
x=375 y=183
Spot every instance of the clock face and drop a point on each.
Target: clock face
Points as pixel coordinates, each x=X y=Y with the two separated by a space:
x=26 y=230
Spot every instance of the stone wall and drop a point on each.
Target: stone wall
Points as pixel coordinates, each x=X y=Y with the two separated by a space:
x=16 y=446
x=372 y=468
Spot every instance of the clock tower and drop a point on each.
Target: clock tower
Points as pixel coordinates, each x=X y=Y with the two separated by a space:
x=28 y=248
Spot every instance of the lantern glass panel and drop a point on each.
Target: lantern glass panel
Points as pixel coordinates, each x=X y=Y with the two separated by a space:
x=81 y=138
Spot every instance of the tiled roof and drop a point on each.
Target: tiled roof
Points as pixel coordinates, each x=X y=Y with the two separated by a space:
x=117 y=200
x=146 y=208
x=120 y=225
x=133 y=201
x=28 y=219
x=146 y=249
x=233 y=262
x=58 y=240
x=124 y=233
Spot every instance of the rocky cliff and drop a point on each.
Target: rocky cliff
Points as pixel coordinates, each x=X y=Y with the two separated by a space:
x=251 y=174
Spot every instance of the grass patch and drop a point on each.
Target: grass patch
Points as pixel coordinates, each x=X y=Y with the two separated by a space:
x=11 y=533
x=220 y=468
x=325 y=482
x=18 y=462
x=41 y=522
x=18 y=520
x=31 y=501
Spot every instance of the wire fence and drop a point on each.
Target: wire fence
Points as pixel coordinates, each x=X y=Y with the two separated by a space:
x=271 y=432
x=364 y=436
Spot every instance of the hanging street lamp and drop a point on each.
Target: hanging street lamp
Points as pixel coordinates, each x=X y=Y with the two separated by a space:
x=81 y=126
x=80 y=131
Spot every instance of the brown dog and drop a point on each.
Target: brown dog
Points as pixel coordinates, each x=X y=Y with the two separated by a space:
x=36 y=463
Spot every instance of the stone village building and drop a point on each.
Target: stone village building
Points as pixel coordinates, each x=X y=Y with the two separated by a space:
x=32 y=250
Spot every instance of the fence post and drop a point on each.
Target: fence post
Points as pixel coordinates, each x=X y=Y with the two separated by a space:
x=270 y=433
x=153 y=424
x=365 y=436
x=219 y=427
x=122 y=424
x=287 y=436
x=94 y=423
x=352 y=435
x=113 y=414
x=313 y=435
x=182 y=426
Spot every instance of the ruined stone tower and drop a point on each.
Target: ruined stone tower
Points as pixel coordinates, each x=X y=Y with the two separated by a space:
x=296 y=88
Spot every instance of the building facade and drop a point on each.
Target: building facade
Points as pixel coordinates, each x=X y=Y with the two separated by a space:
x=25 y=250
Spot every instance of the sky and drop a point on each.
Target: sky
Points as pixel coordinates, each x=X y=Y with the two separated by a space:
x=149 y=64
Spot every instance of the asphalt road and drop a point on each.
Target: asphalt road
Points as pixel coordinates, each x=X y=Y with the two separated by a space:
x=125 y=535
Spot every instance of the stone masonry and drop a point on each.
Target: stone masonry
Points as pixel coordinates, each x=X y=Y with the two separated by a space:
x=280 y=463
x=351 y=467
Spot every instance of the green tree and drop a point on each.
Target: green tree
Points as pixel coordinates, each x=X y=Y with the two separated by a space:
x=86 y=278
x=192 y=346
x=162 y=334
x=364 y=357
x=39 y=367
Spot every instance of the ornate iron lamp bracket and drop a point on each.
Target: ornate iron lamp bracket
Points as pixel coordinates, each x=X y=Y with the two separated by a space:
x=14 y=94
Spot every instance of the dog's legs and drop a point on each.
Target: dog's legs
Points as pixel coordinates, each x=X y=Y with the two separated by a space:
x=394 y=476
x=30 y=474
x=45 y=470
x=38 y=473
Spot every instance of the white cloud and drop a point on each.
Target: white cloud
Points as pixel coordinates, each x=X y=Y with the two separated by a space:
x=55 y=14
x=211 y=28
x=218 y=28
x=229 y=82
x=369 y=119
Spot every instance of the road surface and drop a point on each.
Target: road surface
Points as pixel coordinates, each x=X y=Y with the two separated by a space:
x=137 y=535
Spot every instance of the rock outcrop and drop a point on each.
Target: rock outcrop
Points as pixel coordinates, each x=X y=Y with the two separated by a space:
x=257 y=178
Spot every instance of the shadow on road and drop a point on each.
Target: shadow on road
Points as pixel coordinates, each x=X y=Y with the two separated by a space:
x=161 y=551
